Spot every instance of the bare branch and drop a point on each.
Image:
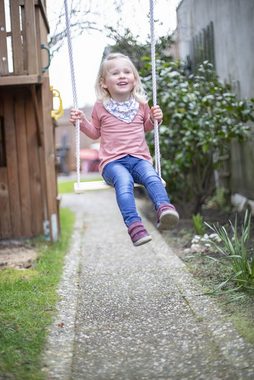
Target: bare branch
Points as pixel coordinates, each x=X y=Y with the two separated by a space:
x=81 y=19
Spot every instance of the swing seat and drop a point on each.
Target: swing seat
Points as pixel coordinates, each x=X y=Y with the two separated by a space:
x=81 y=187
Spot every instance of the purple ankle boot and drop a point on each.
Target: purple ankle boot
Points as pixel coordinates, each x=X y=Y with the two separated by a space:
x=167 y=217
x=138 y=234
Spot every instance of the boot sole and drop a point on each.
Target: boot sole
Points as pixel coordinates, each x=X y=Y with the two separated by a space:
x=142 y=241
x=168 y=219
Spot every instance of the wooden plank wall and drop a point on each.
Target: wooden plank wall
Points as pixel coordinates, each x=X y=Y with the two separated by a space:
x=22 y=153
x=21 y=193
x=12 y=164
x=28 y=186
x=3 y=42
x=5 y=215
x=31 y=42
x=26 y=46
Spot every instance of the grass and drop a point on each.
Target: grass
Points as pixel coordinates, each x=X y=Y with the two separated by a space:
x=27 y=304
x=66 y=187
x=234 y=246
x=198 y=224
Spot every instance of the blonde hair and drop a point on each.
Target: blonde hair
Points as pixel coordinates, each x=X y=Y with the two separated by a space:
x=103 y=94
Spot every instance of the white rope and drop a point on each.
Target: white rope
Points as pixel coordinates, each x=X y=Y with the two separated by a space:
x=154 y=86
x=74 y=88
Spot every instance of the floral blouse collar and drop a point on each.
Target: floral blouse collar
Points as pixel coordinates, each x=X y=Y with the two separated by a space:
x=125 y=111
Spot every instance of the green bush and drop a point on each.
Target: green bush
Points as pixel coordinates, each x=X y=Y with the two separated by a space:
x=201 y=117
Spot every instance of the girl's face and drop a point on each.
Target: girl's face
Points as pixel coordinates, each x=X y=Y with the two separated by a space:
x=119 y=79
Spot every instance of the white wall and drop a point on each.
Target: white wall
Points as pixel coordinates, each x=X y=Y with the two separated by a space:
x=233 y=36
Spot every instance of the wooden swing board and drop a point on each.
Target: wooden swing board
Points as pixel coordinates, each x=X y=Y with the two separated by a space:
x=82 y=187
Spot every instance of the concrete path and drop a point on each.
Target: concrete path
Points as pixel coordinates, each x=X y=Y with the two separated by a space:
x=129 y=313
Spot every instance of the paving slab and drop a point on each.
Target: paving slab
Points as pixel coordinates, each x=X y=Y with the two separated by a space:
x=134 y=313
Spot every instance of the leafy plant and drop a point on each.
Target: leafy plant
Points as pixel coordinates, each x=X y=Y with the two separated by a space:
x=234 y=247
x=198 y=223
x=201 y=117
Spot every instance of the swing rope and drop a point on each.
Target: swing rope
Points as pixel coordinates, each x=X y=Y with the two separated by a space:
x=74 y=89
x=75 y=98
x=154 y=87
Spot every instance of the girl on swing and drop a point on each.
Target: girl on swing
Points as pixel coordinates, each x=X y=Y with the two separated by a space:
x=120 y=117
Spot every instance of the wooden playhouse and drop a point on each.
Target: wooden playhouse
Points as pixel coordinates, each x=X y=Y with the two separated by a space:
x=28 y=186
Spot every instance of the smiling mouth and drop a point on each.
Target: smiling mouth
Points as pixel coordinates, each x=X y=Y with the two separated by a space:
x=122 y=83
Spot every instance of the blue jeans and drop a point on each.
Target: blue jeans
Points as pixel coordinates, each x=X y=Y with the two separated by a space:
x=122 y=174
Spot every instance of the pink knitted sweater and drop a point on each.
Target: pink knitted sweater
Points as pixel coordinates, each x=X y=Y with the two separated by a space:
x=118 y=138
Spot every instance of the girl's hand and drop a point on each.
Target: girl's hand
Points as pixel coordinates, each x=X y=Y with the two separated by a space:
x=76 y=115
x=156 y=114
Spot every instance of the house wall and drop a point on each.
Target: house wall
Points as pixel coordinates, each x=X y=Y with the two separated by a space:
x=233 y=46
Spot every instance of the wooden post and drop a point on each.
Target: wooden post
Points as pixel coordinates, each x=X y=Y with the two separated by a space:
x=49 y=148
